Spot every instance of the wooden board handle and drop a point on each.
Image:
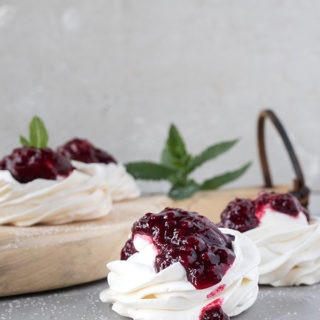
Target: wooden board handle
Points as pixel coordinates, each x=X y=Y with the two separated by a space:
x=300 y=190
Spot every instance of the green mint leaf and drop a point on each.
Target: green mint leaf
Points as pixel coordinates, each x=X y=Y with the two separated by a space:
x=149 y=170
x=175 y=154
x=175 y=143
x=211 y=153
x=170 y=161
x=24 y=142
x=183 y=191
x=38 y=135
x=167 y=159
x=218 y=181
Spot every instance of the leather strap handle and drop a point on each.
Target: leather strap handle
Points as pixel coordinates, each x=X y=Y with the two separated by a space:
x=300 y=190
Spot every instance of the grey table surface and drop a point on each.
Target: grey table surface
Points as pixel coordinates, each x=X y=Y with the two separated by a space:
x=82 y=302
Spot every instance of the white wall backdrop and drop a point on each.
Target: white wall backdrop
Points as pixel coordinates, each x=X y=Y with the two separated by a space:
x=119 y=72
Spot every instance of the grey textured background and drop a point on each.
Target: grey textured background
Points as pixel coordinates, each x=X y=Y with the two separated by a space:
x=119 y=72
x=82 y=303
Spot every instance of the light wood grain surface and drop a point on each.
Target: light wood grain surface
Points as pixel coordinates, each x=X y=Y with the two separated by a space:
x=43 y=257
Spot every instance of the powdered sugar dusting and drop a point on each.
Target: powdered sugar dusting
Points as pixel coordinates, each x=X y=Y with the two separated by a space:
x=82 y=303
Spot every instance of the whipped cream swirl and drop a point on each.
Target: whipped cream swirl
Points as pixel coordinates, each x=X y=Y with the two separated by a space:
x=138 y=292
x=83 y=195
x=120 y=183
x=289 y=248
x=86 y=194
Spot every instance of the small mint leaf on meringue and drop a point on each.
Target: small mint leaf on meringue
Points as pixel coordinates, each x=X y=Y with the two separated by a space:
x=38 y=134
x=24 y=142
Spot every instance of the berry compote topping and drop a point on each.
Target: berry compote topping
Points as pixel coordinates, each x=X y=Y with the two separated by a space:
x=82 y=150
x=246 y=214
x=189 y=238
x=27 y=163
x=215 y=313
x=240 y=215
x=284 y=203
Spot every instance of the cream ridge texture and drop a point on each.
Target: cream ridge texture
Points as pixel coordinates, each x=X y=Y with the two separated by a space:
x=289 y=247
x=138 y=292
x=87 y=193
x=121 y=184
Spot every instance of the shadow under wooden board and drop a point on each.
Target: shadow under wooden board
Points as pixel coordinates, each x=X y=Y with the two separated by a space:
x=39 y=258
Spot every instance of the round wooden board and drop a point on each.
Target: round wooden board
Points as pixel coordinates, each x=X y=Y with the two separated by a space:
x=41 y=258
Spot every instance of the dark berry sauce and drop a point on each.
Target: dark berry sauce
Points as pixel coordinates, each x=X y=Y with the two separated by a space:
x=246 y=214
x=216 y=291
x=82 y=150
x=240 y=215
x=189 y=238
x=284 y=203
x=27 y=163
x=214 y=313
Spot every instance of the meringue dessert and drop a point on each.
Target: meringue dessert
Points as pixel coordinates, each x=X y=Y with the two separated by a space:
x=85 y=157
x=287 y=238
x=41 y=186
x=179 y=265
x=75 y=183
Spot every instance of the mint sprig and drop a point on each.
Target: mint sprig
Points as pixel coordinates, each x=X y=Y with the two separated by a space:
x=177 y=164
x=149 y=170
x=175 y=154
x=218 y=181
x=38 y=134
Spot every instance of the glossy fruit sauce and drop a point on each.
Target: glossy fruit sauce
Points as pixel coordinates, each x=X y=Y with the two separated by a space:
x=189 y=238
x=27 y=163
x=246 y=214
x=84 y=151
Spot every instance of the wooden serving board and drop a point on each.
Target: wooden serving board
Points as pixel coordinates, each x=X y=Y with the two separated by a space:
x=43 y=257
